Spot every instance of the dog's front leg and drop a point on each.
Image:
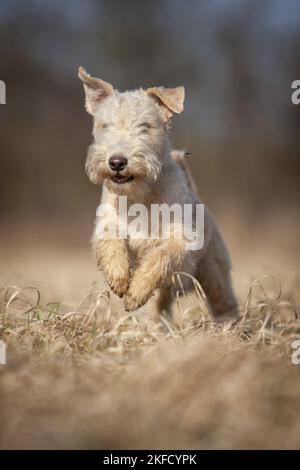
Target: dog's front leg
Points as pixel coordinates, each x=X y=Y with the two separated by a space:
x=113 y=259
x=154 y=269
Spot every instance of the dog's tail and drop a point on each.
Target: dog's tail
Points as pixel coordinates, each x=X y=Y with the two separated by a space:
x=180 y=157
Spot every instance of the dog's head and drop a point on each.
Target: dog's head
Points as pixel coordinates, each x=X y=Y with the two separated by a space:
x=129 y=132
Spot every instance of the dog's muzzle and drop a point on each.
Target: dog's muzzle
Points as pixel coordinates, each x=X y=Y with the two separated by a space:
x=118 y=163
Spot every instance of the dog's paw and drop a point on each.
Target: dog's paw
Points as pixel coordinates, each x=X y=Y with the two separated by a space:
x=134 y=300
x=131 y=304
x=119 y=285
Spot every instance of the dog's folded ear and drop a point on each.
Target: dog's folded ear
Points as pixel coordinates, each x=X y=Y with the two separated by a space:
x=171 y=98
x=95 y=90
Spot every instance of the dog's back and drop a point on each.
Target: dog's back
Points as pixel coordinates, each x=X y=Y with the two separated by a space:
x=179 y=156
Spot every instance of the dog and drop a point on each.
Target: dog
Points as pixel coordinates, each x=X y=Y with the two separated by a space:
x=131 y=157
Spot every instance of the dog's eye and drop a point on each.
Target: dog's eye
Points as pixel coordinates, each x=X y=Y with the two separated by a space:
x=145 y=126
x=105 y=125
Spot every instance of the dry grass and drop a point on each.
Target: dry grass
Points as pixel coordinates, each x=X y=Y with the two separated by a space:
x=93 y=377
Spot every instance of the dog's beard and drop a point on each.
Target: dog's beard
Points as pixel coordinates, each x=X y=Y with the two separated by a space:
x=127 y=183
x=95 y=164
x=119 y=178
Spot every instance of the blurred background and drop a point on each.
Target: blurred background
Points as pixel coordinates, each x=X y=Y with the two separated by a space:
x=237 y=60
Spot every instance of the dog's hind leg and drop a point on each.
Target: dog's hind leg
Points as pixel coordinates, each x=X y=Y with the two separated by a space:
x=213 y=273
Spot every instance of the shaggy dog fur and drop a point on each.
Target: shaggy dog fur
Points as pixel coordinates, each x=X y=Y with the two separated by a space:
x=134 y=125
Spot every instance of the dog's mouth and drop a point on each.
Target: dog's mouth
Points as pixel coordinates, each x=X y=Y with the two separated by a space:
x=121 y=179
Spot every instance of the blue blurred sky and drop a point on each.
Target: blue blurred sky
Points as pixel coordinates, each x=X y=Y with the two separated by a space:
x=200 y=48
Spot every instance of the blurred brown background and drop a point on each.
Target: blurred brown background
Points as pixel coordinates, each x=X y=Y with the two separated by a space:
x=236 y=59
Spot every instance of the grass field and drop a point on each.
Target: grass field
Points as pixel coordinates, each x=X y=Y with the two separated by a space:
x=81 y=373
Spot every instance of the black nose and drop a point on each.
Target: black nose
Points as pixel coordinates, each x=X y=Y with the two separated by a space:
x=117 y=162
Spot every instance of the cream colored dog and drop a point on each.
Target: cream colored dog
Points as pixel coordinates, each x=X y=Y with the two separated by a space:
x=131 y=156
